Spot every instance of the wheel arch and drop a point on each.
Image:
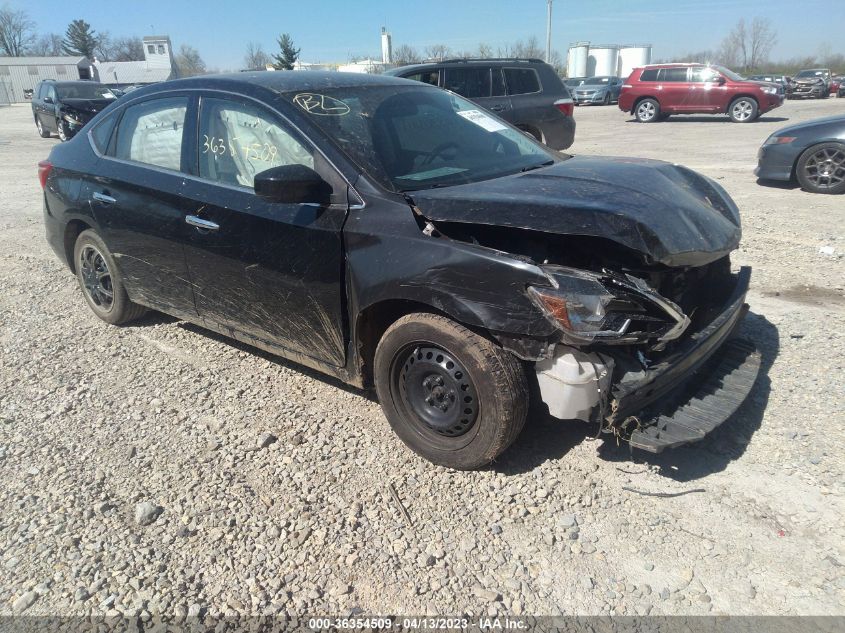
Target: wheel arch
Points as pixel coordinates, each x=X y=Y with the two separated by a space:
x=72 y=230
x=642 y=98
x=807 y=148
x=740 y=96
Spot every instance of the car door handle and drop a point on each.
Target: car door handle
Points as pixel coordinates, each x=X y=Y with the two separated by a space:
x=201 y=224
x=104 y=198
x=497 y=108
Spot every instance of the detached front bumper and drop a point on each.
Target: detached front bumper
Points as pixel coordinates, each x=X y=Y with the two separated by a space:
x=698 y=386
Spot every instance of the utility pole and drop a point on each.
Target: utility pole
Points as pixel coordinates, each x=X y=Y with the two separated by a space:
x=549 y=32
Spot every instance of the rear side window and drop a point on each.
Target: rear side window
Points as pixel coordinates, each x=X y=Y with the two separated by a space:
x=521 y=81
x=102 y=133
x=672 y=74
x=498 y=82
x=468 y=82
x=427 y=77
x=649 y=74
x=151 y=132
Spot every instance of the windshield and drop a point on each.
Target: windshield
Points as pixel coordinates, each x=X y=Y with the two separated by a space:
x=84 y=91
x=593 y=81
x=413 y=137
x=811 y=73
x=729 y=73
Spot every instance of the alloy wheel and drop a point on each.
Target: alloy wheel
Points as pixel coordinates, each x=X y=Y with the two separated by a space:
x=60 y=125
x=436 y=391
x=646 y=111
x=40 y=127
x=826 y=168
x=742 y=110
x=96 y=278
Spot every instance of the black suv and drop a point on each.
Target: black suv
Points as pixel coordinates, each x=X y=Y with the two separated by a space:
x=527 y=93
x=65 y=106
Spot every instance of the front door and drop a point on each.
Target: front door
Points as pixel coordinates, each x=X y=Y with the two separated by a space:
x=706 y=93
x=136 y=199
x=265 y=271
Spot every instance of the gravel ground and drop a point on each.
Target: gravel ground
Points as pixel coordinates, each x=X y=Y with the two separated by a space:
x=158 y=468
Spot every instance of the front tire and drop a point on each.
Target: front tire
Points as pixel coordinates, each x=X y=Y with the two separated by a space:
x=100 y=281
x=821 y=168
x=451 y=395
x=743 y=110
x=647 y=111
x=42 y=132
x=62 y=130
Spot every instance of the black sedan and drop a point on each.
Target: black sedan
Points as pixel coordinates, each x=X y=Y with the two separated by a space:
x=393 y=234
x=813 y=153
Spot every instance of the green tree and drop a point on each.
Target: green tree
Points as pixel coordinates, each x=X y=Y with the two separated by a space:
x=80 y=39
x=287 y=55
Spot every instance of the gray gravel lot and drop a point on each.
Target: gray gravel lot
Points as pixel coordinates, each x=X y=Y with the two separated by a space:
x=137 y=475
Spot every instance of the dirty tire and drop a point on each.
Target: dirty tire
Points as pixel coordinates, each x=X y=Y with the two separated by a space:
x=821 y=168
x=99 y=280
x=743 y=110
x=62 y=130
x=647 y=111
x=493 y=376
x=42 y=131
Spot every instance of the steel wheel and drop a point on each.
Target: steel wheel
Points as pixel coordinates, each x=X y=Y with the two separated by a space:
x=96 y=278
x=436 y=391
x=825 y=169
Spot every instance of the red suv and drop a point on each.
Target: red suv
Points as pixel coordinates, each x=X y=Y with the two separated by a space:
x=655 y=92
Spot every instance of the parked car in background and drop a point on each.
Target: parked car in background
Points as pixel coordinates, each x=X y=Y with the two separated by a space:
x=574 y=82
x=813 y=83
x=65 y=106
x=597 y=90
x=655 y=92
x=527 y=93
x=389 y=233
x=837 y=86
x=813 y=153
x=786 y=82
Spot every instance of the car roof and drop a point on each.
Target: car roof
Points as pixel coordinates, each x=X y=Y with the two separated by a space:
x=286 y=80
x=674 y=65
x=489 y=61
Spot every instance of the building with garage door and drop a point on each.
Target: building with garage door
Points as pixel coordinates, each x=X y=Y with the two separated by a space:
x=20 y=75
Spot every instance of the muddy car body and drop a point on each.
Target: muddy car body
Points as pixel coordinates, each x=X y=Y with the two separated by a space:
x=413 y=242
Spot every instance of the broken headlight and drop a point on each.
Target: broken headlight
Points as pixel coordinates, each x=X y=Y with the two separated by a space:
x=72 y=118
x=608 y=308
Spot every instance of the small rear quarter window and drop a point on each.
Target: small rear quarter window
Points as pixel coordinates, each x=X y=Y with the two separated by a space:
x=521 y=81
x=101 y=134
x=649 y=74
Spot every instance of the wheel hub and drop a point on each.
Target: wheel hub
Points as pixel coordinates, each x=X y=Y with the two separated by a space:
x=437 y=391
x=96 y=277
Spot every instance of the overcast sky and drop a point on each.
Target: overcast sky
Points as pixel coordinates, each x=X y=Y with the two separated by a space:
x=334 y=30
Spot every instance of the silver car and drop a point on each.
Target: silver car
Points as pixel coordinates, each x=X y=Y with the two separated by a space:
x=599 y=90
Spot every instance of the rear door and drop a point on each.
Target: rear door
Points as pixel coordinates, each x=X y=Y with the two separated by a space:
x=136 y=200
x=674 y=89
x=476 y=82
x=263 y=272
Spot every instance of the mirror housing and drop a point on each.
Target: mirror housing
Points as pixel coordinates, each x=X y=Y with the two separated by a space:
x=48 y=99
x=292 y=184
x=719 y=80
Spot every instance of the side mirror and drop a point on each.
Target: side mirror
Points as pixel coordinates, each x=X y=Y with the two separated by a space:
x=48 y=99
x=718 y=80
x=292 y=184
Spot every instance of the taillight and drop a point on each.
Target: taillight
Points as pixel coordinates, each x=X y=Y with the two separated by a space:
x=44 y=167
x=566 y=106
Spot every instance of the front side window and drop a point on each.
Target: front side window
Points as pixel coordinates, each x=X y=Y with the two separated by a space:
x=673 y=74
x=703 y=75
x=468 y=82
x=239 y=140
x=51 y=92
x=521 y=81
x=416 y=137
x=151 y=132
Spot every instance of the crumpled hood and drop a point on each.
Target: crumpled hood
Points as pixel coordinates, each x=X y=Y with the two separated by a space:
x=87 y=106
x=669 y=213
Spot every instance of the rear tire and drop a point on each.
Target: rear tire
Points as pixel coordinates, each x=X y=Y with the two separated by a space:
x=100 y=281
x=821 y=168
x=647 y=111
x=42 y=131
x=451 y=395
x=743 y=110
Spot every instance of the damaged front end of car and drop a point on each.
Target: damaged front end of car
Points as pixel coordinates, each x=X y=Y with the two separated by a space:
x=643 y=301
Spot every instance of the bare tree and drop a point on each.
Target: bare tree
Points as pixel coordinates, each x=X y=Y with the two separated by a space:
x=255 y=58
x=762 y=39
x=733 y=51
x=189 y=62
x=437 y=51
x=119 y=49
x=406 y=54
x=47 y=45
x=485 y=50
x=530 y=48
x=17 y=31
